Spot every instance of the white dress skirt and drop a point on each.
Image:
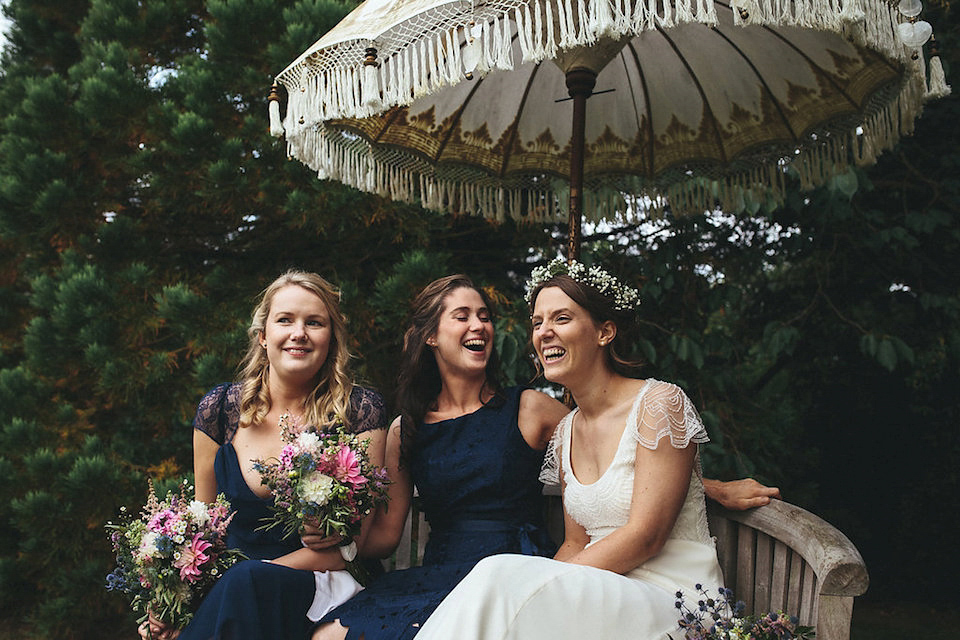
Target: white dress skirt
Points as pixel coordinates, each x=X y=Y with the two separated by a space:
x=527 y=598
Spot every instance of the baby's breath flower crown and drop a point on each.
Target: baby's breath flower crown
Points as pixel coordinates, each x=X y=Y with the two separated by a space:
x=624 y=298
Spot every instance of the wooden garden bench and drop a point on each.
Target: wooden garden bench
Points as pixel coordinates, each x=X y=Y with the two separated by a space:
x=780 y=556
x=774 y=557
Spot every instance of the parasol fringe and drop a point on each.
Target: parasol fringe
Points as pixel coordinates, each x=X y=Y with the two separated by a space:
x=667 y=19
x=550 y=49
x=354 y=163
x=522 y=17
x=325 y=86
x=506 y=59
x=316 y=94
x=276 y=126
x=601 y=19
x=938 y=80
x=419 y=63
x=852 y=12
x=487 y=53
x=684 y=14
x=567 y=28
x=583 y=20
x=536 y=53
x=371 y=88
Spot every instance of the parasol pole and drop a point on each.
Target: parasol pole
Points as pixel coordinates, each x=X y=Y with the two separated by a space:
x=580 y=83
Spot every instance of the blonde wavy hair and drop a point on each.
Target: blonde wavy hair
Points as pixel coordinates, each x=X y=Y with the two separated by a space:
x=330 y=398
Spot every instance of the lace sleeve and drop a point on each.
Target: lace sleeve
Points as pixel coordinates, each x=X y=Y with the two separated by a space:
x=550 y=472
x=218 y=413
x=662 y=410
x=367 y=410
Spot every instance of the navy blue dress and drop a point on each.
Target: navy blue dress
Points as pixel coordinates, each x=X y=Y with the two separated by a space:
x=477 y=480
x=256 y=600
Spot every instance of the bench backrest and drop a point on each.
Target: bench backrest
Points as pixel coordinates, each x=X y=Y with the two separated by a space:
x=782 y=557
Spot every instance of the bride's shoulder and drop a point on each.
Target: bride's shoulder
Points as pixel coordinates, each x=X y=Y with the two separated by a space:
x=657 y=390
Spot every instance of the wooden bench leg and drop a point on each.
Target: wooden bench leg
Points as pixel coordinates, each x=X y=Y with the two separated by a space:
x=833 y=621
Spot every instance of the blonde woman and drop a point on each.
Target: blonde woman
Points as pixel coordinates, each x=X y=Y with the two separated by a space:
x=297 y=363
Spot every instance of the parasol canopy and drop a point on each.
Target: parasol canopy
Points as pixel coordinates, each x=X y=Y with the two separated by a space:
x=694 y=102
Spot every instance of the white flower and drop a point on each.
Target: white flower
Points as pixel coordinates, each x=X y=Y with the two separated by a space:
x=308 y=441
x=148 y=545
x=624 y=298
x=198 y=509
x=316 y=488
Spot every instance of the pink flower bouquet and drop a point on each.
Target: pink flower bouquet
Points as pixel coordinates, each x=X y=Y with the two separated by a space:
x=170 y=556
x=324 y=479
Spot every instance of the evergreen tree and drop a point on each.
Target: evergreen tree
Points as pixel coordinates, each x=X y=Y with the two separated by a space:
x=143 y=206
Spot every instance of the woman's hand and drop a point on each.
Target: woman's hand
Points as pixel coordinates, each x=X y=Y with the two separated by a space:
x=739 y=495
x=312 y=538
x=153 y=629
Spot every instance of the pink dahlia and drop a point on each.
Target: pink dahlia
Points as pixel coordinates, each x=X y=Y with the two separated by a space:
x=348 y=468
x=192 y=557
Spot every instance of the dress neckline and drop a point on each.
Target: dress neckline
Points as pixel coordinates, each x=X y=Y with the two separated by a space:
x=234 y=459
x=631 y=415
x=439 y=422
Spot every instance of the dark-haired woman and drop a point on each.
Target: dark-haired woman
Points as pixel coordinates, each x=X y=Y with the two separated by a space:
x=474 y=452
x=472 y=449
x=627 y=459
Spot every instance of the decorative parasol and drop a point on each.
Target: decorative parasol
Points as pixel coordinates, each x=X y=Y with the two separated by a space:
x=695 y=104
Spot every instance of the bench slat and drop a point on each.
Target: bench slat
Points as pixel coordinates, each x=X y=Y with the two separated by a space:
x=781 y=572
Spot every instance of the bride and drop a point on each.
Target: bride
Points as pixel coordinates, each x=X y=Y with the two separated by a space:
x=635 y=522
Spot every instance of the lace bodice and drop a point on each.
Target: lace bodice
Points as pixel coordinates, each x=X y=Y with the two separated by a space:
x=660 y=410
x=218 y=414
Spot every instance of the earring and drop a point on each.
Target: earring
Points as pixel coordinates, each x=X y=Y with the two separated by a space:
x=431 y=342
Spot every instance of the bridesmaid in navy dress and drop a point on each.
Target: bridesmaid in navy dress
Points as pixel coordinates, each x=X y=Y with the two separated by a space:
x=296 y=363
x=472 y=449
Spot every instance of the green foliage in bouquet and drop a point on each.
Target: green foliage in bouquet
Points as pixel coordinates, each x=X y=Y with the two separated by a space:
x=171 y=555
x=323 y=478
x=721 y=618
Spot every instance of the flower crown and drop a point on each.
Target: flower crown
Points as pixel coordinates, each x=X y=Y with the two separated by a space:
x=624 y=298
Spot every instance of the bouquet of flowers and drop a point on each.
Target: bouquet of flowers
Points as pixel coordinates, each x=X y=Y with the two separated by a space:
x=722 y=619
x=326 y=479
x=170 y=555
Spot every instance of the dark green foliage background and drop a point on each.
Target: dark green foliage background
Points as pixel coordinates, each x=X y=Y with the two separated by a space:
x=143 y=206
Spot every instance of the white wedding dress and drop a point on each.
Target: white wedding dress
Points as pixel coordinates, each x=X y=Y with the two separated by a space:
x=527 y=598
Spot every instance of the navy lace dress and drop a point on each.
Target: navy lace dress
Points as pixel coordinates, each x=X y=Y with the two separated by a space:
x=477 y=480
x=257 y=600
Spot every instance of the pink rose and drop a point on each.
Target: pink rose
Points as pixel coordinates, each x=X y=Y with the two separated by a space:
x=192 y=556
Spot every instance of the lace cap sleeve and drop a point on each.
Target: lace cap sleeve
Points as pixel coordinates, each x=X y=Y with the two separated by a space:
x=218 y=413
x=550 y=472
x=368 y=410
x=663 y=409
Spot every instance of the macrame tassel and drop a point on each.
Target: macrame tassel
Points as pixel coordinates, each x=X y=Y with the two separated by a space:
x=522 y=17
x=370 y=90
x=472 y=53
x=538 y=50
x=601 y=19
x=505 y=58
x=419 y=72
x=938 y=81
x=851 y=12
x=276 y=127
